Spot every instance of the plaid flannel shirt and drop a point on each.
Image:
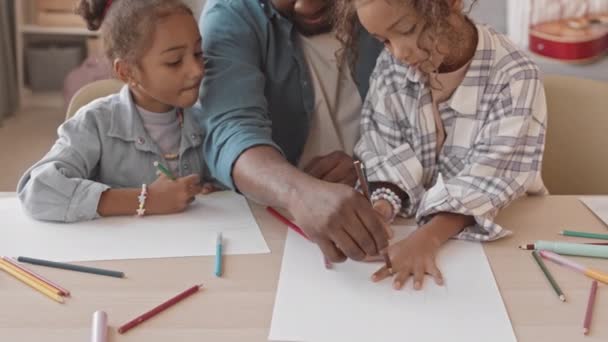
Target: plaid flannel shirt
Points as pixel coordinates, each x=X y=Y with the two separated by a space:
x=495 y=123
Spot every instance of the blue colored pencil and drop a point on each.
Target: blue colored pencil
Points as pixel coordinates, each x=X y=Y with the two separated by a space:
x=218 y=255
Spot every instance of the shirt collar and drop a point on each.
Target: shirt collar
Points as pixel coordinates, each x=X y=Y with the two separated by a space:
x=126 y=124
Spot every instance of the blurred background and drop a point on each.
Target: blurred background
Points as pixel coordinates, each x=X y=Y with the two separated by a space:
x=47 y=54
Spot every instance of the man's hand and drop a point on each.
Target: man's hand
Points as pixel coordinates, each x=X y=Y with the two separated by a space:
x=336 y=167
x=340 y=220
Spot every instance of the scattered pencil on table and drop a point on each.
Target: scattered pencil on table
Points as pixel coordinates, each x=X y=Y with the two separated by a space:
x=573 y=233
x=99 y=331
x=294 y=227
x=589 y=272
x=160 y=167
x=569 y=248
x=218 y=254
x=549 y=277
x=362 y=177
x=31 y=282
x=589 y=311
x=162 y=307
x=71 y=267
x=60 y=290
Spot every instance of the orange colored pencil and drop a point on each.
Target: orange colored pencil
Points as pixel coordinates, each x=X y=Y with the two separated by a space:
x=61 y=291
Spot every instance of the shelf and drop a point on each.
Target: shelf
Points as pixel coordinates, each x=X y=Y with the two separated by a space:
x=68 y=31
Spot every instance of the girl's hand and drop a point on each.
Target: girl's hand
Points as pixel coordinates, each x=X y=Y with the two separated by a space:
x=166 y=196
x=412 y=256
x=208 y=188
x=384 y=209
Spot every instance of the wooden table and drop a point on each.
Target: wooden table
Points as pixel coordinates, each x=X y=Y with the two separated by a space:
x=238 y=307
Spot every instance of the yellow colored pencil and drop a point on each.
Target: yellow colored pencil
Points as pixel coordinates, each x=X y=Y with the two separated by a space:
x=29 y=276
x=28 y=281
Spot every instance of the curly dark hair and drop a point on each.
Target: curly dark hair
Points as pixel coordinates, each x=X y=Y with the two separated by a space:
x=434 y=15
x=127 y=25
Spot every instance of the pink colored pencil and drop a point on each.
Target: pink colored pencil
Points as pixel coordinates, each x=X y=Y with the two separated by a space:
x=62 y=291
x=589 y=311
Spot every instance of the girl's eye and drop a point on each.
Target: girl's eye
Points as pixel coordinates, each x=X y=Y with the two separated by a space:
x=174 y=64
x=410 y=31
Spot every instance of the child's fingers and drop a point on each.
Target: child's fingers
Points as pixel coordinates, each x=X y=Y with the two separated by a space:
x=401 y=278
x=373 y=258
x=193 y=179
x=389 y=231
x=384 y=209
x=432 y=269
x=381 y=274
x=208 y=188
x=418 y=275
x=194 y=190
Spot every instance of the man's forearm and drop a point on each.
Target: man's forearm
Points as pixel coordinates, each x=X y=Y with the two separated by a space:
x=261 y=173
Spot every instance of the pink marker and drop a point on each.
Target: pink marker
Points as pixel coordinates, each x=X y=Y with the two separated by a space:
x=100 y=327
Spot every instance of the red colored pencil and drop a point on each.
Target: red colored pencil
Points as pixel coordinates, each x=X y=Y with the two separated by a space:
x=297 y=229
x=589 y=312
x=62 y=292
x=146 y=316
x=286 y=221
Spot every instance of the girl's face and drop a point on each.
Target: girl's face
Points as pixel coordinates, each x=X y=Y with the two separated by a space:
x=396 y=25
x=170 y=73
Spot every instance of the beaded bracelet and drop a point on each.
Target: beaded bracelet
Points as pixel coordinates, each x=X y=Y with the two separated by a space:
x=141 y=210
x=389 y=196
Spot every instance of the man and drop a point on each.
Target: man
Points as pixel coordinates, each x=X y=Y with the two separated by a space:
x=274 y=98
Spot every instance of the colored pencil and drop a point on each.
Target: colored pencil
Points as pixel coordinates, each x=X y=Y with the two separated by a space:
x=61 y=291
x=218 y=255
x=589 y=311
x=99 y=331
x=162 y=307
x=568 y=248
x=71 y=267
x=589 y=272
x=294 y=227
x=584 y=235
x=30 y=282
x=362 y=176
x=160 y=167
x=549 y=277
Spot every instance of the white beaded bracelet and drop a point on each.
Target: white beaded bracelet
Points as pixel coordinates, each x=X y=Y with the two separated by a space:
x=389 y=196
x=141 y=210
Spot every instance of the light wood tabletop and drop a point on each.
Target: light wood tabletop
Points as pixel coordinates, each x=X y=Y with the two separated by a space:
x=238 y=306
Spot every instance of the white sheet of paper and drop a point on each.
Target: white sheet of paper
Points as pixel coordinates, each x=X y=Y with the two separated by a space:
x=342 y=304
x=191 y=233
x=598 y=205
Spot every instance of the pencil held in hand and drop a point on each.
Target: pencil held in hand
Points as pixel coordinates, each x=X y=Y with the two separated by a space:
x=164 y=170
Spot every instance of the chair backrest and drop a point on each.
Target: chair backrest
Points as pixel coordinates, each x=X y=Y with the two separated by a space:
x=576 y=160
x=91 y=92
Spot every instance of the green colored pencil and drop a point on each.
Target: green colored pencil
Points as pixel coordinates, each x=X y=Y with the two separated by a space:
x=542 y=266
x=584 y=235
x=164 y=170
